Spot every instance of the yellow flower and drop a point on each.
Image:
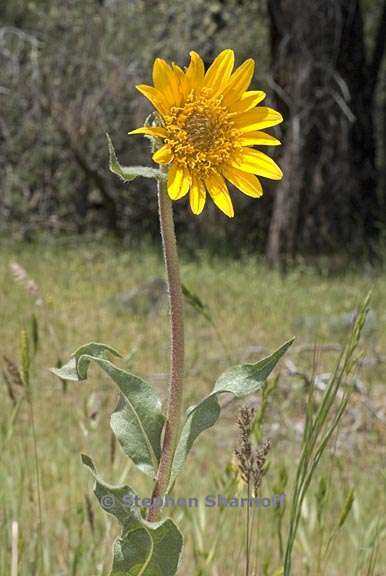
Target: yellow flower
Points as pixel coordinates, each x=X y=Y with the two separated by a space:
x=209 y=125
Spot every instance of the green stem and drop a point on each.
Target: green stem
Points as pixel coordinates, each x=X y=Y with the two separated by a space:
x=175 y=399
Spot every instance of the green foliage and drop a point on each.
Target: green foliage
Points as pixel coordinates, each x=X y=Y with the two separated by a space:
x=346 y=508
x=321 y=497
x=137 y=420
x=150 y=549
x=240 y=381
x=318 y=430
x=34 y=333
x=129 y=173
x=25 y=359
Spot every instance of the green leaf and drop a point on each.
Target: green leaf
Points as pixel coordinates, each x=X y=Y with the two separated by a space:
x=113 y=499
x=149 y=549
x=347 y=508
x=247 y=378
x=144 y=548
x=77 y=372
x=240 y=381
x=128 y=173
x=137 y=420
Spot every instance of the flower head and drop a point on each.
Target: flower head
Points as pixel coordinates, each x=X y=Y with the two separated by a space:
x=209 y=125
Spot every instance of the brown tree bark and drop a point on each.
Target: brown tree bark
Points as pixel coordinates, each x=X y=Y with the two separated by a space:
x=325 y=86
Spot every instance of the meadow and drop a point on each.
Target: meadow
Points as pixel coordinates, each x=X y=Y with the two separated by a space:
x=95 y=290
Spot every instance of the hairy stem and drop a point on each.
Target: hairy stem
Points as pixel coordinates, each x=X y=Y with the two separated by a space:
x=175 y=398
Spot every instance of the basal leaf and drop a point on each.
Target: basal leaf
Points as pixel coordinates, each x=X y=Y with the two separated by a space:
x=150 y=549
x=144 y=548
x=128 y=173
x=137 y=420
x=240 y=381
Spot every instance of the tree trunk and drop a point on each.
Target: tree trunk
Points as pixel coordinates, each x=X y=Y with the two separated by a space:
x=325 y=85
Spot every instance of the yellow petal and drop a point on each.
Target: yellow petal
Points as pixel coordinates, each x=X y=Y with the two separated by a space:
x=164 y=155
x=256 y=119
x=159 y=68
x=239 y=82
x=156 y=131
x=178 y=182
x=247 y=101
x=155 y=97
x=218 y=190
x=247 y=183
x=256 y=162
x=197 y=196
x=165 y=81
x=183 y=84
x=220 y=70
x=259 y=138
x=195 y=72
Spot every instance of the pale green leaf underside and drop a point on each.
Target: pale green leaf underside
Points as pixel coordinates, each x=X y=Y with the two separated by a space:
x=71 y=370
x=137 y=420
x=240 y=381
x=144 y=548
x=128 y=173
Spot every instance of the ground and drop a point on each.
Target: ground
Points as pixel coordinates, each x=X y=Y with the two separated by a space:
x=96 y=290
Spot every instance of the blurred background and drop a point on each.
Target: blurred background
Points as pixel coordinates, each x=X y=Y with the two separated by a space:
x=68 y=72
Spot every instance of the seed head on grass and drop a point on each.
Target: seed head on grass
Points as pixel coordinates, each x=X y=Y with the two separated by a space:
x=251 y=460
x=12 y=378
x=13 y=371
x=22 y=277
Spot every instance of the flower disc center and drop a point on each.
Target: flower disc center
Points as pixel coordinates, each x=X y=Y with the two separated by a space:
x=201 y=130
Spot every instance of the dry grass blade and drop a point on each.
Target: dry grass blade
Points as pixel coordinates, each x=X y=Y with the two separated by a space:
x=14 y=548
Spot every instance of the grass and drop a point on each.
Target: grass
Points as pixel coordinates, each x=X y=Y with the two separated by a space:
x=254 y=310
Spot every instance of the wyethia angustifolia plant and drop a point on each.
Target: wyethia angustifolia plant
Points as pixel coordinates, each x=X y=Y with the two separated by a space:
x=203 y=132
